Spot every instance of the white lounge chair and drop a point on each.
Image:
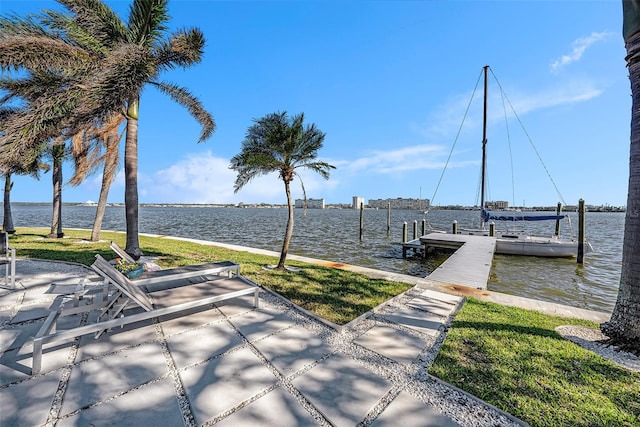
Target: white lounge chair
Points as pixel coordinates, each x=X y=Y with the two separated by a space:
x=8 y=258
x=175 y=295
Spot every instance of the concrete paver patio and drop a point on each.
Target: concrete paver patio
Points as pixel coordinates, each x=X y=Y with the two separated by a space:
x=234 y=365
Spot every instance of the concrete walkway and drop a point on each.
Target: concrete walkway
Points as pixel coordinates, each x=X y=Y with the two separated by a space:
x=233 y=365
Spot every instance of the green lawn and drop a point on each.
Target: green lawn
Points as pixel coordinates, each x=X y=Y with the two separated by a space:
x=514 y=359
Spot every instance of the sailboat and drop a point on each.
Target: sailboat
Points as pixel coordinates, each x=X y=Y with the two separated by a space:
x=518 y=242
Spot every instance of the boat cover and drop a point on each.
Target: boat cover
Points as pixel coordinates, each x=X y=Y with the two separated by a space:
x=488 y=216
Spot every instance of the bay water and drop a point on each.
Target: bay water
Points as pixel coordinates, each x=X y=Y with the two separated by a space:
x=334 y=235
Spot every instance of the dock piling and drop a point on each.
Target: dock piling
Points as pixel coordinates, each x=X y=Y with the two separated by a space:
x=361 y=221
x=388 y=218
x=455 y=227
x=581 y=230
x=415 y=229
x=558 y=212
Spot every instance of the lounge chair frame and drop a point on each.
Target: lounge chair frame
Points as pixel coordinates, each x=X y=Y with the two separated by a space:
x=117 y=293
x=8 y=258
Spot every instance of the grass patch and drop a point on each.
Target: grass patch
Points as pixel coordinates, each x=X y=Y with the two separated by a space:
x=514 y=359
x=335 y=295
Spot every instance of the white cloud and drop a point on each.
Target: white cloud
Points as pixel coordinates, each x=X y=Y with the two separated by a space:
x=579 y=47
x=418 y=157
x=204 y=178
x=447 y=120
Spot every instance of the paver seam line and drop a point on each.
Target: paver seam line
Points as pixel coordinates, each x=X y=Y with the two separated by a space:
x=379 y=407
x=28 y=304
x=115 y=396
x=281 y=380
x=241 y=405
x=14 y=310
x=63 y=383
x=167 y=375
x=101 y=356
x=383 y=321
x=181 y=396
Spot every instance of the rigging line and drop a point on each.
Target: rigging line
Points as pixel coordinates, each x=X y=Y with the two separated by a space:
x=530 y=140
x=457 y=136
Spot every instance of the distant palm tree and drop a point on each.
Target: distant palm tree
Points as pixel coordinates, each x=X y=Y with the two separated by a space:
x=276 y=143
x=30 y=163
x=91 y=65
x=58 y=152
x=624 y=325
x=32 y=166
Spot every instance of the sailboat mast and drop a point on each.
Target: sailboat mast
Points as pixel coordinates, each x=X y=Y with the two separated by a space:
x=484 y=146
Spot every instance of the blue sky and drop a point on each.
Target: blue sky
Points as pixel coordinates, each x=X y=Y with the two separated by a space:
x=389 y=82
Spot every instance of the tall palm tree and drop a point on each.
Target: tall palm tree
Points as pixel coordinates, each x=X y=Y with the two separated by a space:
x=102 y=66
x=276 y=143
x=624 y=325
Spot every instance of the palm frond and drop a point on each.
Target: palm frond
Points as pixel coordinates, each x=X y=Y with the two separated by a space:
x=98 y=21
x=183 y=97
x=185 y=48
x=147 y=21
x=39 y=53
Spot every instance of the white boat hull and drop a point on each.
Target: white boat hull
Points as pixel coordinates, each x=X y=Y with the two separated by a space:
x=520 y=243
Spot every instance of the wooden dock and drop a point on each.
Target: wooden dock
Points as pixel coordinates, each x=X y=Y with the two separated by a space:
x=469 y=265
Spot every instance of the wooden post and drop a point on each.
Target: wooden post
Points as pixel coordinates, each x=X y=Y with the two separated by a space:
x=388 y=218
x=581 y=230
x=492 y=229
x=361 y=221
x=424 y=227
x=415 y=229
x=404 y=232
x=455 y=227
x=558 y=212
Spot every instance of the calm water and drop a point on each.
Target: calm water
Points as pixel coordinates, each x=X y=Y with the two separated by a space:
x=333 y=234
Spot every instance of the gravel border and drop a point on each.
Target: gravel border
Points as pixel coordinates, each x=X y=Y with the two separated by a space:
x=593 y=339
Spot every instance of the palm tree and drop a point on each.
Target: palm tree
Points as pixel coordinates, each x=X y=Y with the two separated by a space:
x=276 y=143
x=30 y=164
x=33 y=167
x=624 y=325
x=90 y=150
x=102 y=65
x=58 y=153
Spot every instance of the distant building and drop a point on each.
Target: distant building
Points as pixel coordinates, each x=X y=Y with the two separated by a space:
x=400 y=203
x=357 y=202
x=311 y=203
x=497 y=204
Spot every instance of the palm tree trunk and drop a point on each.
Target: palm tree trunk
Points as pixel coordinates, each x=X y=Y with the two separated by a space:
x=101 y=208
x=111 y=156
x=624 y=326
x=7 y=222
x=56 y=217
x=131 y=181
x=289 y=232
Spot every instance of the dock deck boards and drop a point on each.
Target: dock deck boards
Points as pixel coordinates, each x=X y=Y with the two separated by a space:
x=469 y=265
